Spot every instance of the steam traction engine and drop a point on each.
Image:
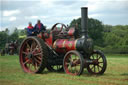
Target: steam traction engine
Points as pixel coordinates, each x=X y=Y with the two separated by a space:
x=60 y=49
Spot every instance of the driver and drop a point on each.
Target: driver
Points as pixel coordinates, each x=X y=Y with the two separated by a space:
x=39 y=27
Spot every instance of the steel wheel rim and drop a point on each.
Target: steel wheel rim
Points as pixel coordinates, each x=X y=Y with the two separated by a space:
x=72 y=65
x=30 y=56
x=98 y=64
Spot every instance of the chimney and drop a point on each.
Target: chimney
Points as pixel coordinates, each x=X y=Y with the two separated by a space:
x=84 y=21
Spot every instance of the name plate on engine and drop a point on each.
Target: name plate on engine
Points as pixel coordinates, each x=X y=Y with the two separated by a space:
x=70 y=45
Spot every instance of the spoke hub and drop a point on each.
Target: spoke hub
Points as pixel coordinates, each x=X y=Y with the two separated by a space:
x=95 y=62
x=30 y=55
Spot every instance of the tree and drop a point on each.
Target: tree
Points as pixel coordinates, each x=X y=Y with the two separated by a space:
x=3 y=37
x=14 y=36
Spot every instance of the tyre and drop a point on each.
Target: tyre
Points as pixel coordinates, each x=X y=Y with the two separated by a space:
x=32 y=55
x=73 y=63
x=99 y=64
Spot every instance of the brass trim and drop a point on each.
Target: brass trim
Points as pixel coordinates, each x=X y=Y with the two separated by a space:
x=70 y=45
x=76 y=42
x=54 y=44
x=63 y=43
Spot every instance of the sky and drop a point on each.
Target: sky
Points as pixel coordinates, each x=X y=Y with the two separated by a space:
x=17 y=13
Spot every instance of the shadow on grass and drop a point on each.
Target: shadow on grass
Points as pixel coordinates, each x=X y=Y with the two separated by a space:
x=47 y=72
x=85 y=73
x=124 y=74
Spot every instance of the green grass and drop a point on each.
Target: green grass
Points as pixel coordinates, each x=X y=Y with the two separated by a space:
x=12 y=74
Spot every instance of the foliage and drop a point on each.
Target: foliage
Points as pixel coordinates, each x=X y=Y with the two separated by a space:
x=116 y=40
x=108 y=38
x=5 y=37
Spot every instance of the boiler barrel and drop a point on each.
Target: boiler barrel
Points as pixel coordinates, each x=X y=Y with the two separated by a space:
x=65 y=45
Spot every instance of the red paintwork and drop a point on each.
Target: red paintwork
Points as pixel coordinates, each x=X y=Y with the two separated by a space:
x=67 y=66
x=49 y=39
x=24 y=59
x=64 y=45
x=39 y=35
x=71 y=31
x=60 y=45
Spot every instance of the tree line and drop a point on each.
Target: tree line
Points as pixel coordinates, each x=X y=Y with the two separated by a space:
x=108 y=38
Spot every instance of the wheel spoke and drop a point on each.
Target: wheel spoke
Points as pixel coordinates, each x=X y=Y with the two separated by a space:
x=100 y=66
x=100 y=62
x=94 y=68
x=31 y=66
x=28 y=45
x=36 y=48
x=25 y=53
x=37 y=61
x=39 y=58
x=37 y=54
x=35 y=66
x=67 y=63
x=26 y=61
x=99 y=57
x=33 y=45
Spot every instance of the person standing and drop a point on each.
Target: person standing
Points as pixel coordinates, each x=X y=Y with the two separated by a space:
x=30 y=30
x=39 y=27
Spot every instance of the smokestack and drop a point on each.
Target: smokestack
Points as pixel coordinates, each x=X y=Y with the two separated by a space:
x=84 y=21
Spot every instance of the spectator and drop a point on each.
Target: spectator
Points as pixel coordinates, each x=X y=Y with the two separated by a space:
x=39 y=27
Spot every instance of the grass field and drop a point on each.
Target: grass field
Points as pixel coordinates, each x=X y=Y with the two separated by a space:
x=12 y=74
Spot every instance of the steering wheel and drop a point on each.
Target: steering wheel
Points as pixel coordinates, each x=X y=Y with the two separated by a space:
x=58 y=29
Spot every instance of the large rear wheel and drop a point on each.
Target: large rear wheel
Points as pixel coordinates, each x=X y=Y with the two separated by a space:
x=73 y=63
x=33 y=53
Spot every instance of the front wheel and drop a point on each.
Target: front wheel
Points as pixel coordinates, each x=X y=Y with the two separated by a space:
x=73 y=63
x=99 y=63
